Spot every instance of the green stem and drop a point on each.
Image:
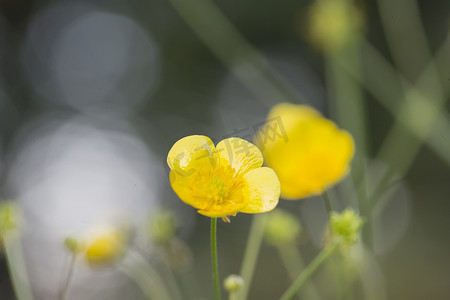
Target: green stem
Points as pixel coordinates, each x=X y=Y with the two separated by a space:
x=327 y=202
x=172 y=281
x=233 y=296
x=252 y=251
x=65 y=288
x=351 y=111
x=309 y=271
x=189 y=284
x=215 y=264
x=16 y=266
x=293 y=263
x=145 y=276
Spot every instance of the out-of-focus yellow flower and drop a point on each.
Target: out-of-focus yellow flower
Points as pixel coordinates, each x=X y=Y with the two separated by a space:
x=104 y=246
x=222 y=180
x=333 y=23
x=308 y=152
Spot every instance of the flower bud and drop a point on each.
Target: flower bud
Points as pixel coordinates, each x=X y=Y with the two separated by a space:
x=282 y=228
x=333 y=23
x=233 y=283
x=72 y=245
x=9 y=217
x=162 y=227
x=346 y=225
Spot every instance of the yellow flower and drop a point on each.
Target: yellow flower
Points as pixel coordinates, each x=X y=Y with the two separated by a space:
x=309 y=155
x=105 y=246
x=222 y=180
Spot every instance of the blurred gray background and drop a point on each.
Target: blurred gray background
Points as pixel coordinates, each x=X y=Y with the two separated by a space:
x=94 y=93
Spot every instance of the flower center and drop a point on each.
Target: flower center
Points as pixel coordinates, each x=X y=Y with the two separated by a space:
x=218 y=188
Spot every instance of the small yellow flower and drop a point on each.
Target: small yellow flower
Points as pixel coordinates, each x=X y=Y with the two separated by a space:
x=222 y=180
x=311 y=155
x=105 y=246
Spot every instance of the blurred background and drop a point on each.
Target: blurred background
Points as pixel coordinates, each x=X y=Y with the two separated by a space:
x=94 y=93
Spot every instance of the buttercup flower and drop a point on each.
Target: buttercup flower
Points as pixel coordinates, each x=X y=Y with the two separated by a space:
x=105 y=245
x=308 y=152
x=222 y=180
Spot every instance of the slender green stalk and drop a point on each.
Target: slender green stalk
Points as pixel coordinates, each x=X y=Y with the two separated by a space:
x=65 y=287
x=172 y=282
x=293 y=263
x=252 y=252
x=215 y=263
x=407 y=41
x=409 y=131
x=233 y=296
x=351 y=114
x=145 y=276
x=309 y=271
x=16 y=265
x=347 y=95
x=327 y=202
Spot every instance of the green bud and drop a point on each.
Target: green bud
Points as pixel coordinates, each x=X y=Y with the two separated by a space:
x=333 y=24
x=9 y=217
x=233 y=283
x=346 y=225
x=162 y=227
x=72 y=245
x=282 y=228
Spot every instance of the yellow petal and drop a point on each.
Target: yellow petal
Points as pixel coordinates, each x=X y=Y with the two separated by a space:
x=291 y=114
x=182 y=186
x=243 y=156
x=217 y=214
x=264 y=190
x=105 y=246
x=191 y=153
